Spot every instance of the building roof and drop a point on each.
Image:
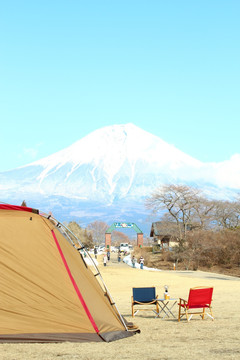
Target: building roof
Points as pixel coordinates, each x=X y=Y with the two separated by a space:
x=158 y=228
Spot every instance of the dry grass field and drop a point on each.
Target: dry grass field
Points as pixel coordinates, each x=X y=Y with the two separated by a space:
x=159 y=339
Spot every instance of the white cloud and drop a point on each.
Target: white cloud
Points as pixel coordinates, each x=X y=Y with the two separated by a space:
x=228 y=172
x=30 y=153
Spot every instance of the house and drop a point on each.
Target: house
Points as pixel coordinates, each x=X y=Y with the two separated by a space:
x=163 y=235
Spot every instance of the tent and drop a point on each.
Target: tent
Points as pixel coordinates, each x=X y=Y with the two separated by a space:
x=48 y=293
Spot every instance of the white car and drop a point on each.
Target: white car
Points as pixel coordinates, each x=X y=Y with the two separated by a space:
x=124 y=247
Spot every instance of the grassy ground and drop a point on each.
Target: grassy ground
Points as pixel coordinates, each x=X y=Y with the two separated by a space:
x=159 y=339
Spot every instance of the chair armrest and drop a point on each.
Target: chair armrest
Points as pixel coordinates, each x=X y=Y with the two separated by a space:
x=183 y=303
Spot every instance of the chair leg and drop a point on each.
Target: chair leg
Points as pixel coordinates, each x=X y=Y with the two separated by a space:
x=179 y=313
x=211 y=316
x=157 y=308
x=203 y=313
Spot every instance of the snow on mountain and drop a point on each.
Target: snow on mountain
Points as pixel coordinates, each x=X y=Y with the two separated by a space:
x=111 y=162
x=119 y=162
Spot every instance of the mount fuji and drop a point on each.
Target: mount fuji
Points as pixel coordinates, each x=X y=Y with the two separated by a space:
x=107 y=175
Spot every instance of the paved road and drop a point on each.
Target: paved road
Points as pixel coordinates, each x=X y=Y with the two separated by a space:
x=207 y=275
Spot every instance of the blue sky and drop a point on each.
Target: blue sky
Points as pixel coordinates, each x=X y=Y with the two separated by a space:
x=70 y=67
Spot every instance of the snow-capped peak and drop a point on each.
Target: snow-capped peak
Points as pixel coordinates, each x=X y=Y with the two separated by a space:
x=112 y=145
x=118 y=161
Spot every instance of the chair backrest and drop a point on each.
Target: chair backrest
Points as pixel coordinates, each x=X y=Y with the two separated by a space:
x=144 y=294
x=200 y=296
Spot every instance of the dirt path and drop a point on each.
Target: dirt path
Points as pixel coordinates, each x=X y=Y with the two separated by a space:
x=113 y=260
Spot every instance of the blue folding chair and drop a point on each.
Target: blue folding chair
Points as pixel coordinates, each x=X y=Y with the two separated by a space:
x=145 y=296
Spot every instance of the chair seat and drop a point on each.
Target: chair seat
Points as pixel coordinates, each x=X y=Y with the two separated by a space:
x=195 y=306
x=153 y=301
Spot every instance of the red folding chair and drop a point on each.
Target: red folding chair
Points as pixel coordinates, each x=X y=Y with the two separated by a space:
x=199 y=300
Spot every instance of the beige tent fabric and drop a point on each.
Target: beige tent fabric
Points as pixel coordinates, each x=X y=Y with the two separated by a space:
x=97 y=303
x=37 y=295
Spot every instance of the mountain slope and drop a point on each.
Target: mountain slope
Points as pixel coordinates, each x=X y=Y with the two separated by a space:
x=111 y=162
x=117 y=165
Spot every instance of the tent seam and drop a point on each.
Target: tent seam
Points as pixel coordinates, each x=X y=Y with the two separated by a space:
x=75 y=285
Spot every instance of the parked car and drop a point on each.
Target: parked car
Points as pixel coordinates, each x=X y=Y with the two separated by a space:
x=124 y=247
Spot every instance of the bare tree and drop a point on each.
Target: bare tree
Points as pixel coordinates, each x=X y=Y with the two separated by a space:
x=204 y=213
x=178 y=201
x=98 y=229
x=119 y=237
x=81 y=234
x=168 y=226
x=227 y=214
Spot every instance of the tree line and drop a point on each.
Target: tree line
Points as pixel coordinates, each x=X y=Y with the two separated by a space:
x=207 y=231
x=94 y=233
